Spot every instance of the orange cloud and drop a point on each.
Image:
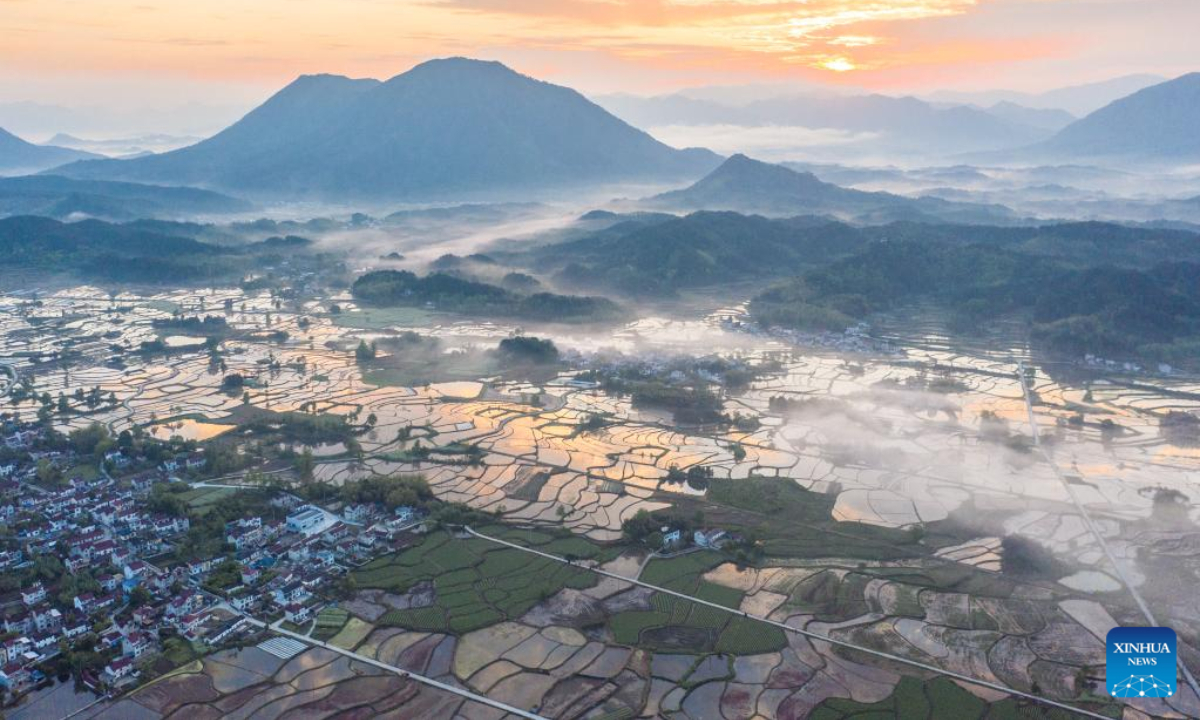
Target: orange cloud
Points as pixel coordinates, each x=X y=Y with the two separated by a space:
x=276 y=39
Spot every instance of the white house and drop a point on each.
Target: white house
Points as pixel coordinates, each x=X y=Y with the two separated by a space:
x=304 y=519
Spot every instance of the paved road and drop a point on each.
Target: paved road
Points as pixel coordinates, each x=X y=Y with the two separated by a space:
x=1095 y=531
x=806 y=633
x=461 y=692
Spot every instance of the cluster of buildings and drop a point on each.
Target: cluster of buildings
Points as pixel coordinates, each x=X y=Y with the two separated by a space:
x=676 y=539
x=284 y=565
x=93 y=569
x=75 y=548
x=1096 y=362
x=854 y=339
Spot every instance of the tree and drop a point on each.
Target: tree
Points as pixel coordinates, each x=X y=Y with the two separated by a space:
x=48 y=473
x=139 y=596
x=86 y=440
x=364 y=353
x=305 y=465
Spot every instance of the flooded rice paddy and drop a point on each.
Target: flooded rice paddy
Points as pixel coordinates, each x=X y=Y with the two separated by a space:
x=935 y=434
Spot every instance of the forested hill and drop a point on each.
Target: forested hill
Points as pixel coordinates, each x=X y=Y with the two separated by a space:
x=1103 y=309
x=133 y=252
x=447 y=293
x=658 y=255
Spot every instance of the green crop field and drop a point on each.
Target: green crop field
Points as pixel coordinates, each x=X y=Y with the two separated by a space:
x=329 y=623
x=476 y=583
x=941 y=699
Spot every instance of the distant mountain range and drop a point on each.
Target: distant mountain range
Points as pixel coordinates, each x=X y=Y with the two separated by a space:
x=67 y=198
x=18 y=156
x=1079 y=100
x=1046 y=118
x=120 y=119
x=447 y=126
x=883 y=123
x=653 y=254
x=143 y=251
x=744 y=185
x=125 y=146
x=1158 y=123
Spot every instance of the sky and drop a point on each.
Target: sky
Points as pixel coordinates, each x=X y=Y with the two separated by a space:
x=155 y=53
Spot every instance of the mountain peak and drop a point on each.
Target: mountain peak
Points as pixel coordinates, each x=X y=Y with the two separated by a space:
x=459 y=63
x=450 y=125
x=743 y=184
x=744 y=169
x=482 y=74
x=1156 y=123
x=19 y=156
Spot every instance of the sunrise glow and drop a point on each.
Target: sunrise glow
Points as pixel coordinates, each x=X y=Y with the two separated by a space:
x=603 y=45
x=838 y=64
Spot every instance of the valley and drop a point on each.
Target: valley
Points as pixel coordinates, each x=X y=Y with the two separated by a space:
x=693 y=360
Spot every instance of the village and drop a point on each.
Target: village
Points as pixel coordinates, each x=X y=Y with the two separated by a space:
x=95 y=584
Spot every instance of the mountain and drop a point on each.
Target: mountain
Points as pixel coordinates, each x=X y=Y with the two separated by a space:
x=744 y=185
x=143 y=251
x=1078 y=100
x=1155 y=124
x=674 y=109
x=60 y=197
x=124 y=147
x=446 y=126
x=905 y=123
x=32 y=119
x=18 y=157
x=1046 y=118
x=1108 y=310
x=882 y=123
x=655 y=255
x=658 y=255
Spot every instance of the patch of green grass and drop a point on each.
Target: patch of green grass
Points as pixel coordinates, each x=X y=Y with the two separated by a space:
x=830 y=596
x=744 y=636
x=179 y=651
x=477 y=583
x=942 y=699
x=627 y=627
x=163 y=306
x=380 y=318
x=329 y=623
x=86 y=471
x=711 y=629
x=199 y=500
x=293 y=627
x=793 y=522
x=681 y=574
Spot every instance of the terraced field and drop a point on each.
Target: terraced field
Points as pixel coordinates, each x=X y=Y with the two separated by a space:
x=899 y=502
x=475 y=583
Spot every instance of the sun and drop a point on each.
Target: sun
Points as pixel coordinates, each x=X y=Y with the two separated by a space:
x=837 y=64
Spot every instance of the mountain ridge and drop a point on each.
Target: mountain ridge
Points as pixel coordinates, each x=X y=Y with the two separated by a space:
x=20 y=156
x=742 y=184
x=445 y=126
x=1156 y=123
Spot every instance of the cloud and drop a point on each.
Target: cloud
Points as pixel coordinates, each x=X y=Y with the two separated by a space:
x=607 y=45
x=830 y=36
